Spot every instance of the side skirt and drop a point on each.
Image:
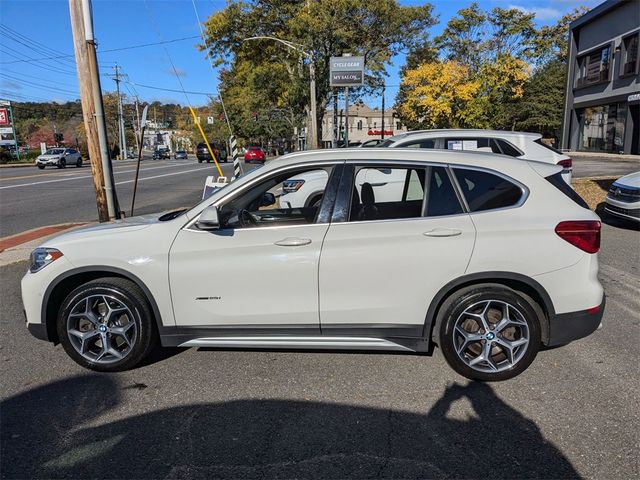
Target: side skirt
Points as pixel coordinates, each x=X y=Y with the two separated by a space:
x=301 y=343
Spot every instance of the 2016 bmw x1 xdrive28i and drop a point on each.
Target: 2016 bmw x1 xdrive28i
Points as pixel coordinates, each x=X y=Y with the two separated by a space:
x=486 y=257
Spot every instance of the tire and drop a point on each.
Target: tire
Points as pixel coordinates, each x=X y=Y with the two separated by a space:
x=132 y=320
x=208 y=161
x=62 y=163
x=513 y=346
x=41 y=167
x=79 y=162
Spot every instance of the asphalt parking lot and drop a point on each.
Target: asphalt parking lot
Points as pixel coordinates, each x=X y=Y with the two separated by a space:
x=203 y=413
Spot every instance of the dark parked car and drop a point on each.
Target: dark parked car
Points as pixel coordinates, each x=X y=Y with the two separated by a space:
x=161 y=153
x=254 y=154
x=203 y=155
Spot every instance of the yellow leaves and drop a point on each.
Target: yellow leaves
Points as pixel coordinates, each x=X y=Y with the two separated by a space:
x=446 y=94
x=435 y=93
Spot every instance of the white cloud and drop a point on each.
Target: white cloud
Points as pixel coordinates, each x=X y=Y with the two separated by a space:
x=541 y=13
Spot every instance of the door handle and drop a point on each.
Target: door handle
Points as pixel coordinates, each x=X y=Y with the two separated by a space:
x=442 y=232
x=293 y=242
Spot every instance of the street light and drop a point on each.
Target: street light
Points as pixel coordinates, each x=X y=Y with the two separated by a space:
x=313 y=144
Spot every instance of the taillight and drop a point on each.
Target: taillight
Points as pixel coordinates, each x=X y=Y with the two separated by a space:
x=584 y=234
x=566 y=164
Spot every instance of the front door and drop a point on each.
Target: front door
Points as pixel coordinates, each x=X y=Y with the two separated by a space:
x=381 y=265
x=260 y=269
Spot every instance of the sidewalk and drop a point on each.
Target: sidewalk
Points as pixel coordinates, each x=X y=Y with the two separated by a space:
x=605 y=156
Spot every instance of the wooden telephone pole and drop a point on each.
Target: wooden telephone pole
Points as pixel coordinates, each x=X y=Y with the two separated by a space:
x=92 y=109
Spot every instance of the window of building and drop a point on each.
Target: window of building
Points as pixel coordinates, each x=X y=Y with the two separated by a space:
x=359 y=124
x=375 y=125
x=594 y=67
x=486 y=191
x=602 y=128
x=398 y=126
x=629 y=55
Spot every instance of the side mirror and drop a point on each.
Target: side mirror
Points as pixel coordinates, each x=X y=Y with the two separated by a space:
x=267 y=199
x=209 y=219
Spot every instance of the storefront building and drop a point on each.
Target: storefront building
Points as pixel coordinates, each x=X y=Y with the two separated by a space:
x=364 y=123
x=602 y=104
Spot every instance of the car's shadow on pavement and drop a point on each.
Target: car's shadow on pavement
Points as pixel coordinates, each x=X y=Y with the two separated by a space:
x=60 y=431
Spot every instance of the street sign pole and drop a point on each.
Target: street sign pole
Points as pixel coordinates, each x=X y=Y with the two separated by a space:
x=346 y=117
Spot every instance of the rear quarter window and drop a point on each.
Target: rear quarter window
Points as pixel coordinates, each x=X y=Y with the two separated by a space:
x=486 y=191
x=557 y=181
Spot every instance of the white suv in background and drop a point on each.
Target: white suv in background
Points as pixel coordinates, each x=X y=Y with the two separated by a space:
x=522 y=145
x=307 y=189
x=485 y=257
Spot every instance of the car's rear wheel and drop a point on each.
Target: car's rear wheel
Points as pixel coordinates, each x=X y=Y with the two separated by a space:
x=107 y=325
x=79 y=162
x=489 y=332
x=41 y=167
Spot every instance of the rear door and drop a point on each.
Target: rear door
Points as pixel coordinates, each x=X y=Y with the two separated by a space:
x=384 y=258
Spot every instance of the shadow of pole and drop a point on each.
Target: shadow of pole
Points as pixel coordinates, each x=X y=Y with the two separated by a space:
x=46 y=434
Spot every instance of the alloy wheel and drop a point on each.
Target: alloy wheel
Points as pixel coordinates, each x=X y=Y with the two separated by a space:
x=102 y=328
x=491 y=336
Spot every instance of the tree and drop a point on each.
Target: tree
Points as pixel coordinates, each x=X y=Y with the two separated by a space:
x=540 y=109
x=439 y=95
x=551 y=41
x=324 y=28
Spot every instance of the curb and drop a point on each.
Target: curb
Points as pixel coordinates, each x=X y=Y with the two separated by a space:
x=17 y=248
x=608 y=156
x=17 y=165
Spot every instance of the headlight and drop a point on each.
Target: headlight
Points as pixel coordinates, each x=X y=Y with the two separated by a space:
x=41 y=257
x=289 y=186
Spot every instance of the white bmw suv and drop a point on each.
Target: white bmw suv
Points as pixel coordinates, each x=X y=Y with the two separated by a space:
x=485 y=257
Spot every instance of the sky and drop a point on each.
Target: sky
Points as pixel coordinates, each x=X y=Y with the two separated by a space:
x=41 y=29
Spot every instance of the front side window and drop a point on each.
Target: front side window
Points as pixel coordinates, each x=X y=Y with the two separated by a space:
x=594 y=67
x=286 y=199
x=486 y=191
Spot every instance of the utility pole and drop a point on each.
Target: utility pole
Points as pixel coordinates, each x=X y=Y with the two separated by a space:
x=121 y=133
x=92 y=108
x=383 y=87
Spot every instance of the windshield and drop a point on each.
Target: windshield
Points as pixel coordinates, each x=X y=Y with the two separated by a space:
x=54 y=151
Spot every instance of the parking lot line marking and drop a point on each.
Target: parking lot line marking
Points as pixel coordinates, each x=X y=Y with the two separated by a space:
x=89 y=176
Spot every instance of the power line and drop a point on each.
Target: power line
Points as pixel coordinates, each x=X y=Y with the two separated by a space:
x=120 y=49
x=208 y=94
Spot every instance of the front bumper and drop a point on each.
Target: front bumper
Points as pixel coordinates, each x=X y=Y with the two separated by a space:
x=567 y=327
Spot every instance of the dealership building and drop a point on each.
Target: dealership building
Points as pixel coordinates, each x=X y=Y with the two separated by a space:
x=602 y=102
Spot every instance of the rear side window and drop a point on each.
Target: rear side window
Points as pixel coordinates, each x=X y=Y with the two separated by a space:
x=507 y=148
x=472 y=144
x=558 y=182
x=548 y=147
x=441 y=196
x=486 y=191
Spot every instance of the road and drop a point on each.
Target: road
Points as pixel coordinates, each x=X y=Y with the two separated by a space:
x=31 y=198
x=603 y=166
x=203 y=413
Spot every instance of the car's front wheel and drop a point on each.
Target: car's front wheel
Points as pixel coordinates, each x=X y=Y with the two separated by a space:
x=107 y=325
x=62 y=163
x=41 y=167
x=489 y=332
